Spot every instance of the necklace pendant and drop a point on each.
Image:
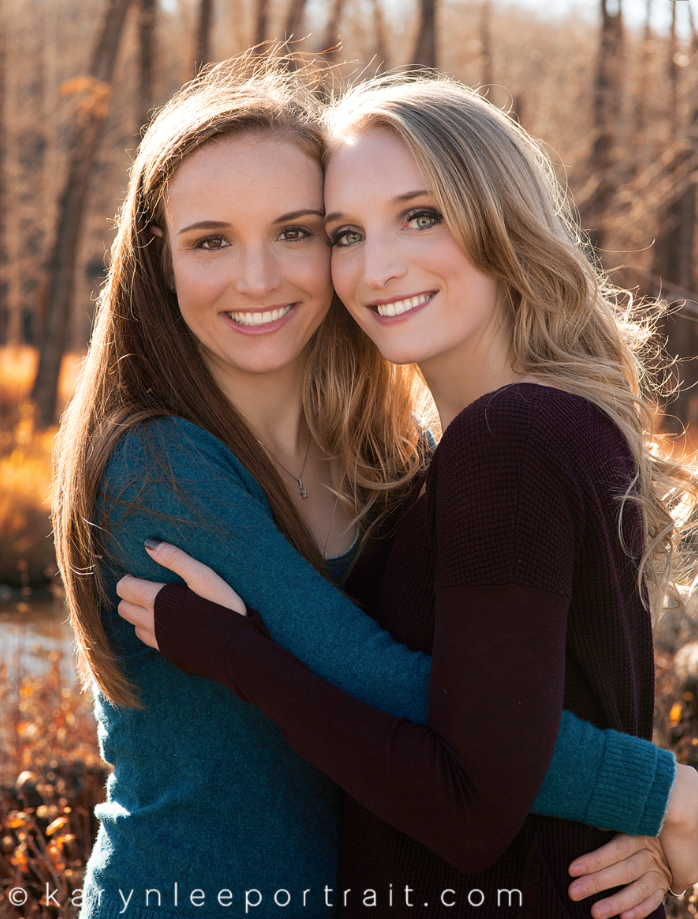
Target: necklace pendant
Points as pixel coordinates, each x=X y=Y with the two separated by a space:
x=301 y=489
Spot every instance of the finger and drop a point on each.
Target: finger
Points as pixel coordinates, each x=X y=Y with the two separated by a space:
x=148 y=638
x=175 y=559
x=135 y=614
x=618 y=849
x=138 y=590
x=646 y=907
x=631 y=897
x=634 y=902
x=198 y=577
x=641 y=865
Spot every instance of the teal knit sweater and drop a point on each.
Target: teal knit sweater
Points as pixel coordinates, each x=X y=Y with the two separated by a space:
x=209 y=812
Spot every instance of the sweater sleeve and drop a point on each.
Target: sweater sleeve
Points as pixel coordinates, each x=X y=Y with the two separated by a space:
x=323 y=724
x=218 y=512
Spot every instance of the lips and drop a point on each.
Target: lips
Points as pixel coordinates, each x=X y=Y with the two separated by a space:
x=259 y=318
x=398 y=307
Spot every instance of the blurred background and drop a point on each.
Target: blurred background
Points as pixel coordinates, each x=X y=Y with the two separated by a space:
x=610 y=87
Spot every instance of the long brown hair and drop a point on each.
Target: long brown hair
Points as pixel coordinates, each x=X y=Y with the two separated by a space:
x=141 y=350
x=570 y=327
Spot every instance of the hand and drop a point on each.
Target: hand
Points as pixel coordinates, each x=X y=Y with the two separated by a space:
x=636 y=861
x=137 y=604
x=679 y=836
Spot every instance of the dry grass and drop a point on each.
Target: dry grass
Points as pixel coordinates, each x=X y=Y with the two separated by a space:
x=50 y=781
x=26 y=550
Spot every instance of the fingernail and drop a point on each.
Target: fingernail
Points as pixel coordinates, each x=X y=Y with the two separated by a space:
x=151 y=543
x=577 y=891
x=602 y=912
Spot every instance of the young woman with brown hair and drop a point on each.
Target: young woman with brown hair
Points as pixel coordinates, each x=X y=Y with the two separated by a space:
x=526 y=551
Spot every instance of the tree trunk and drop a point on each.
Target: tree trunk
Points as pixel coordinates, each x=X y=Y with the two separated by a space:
x=424 y=54
x=146 y=87
x=294 y=20
x=4 y=304
x=643 y=87
x=673 y=261
x=379 y=30
x=202 y=48
x=61 y=266
x=486 y=43
x=331 y=40
x=607 y=102
x=261 y=22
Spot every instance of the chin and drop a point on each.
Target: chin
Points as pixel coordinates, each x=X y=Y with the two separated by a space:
x=402 y=355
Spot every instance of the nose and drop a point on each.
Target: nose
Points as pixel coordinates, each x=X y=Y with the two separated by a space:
x=257 y=272
x=382 y=262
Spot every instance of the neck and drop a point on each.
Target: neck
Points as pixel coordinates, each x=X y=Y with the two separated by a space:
x=456 y=379
x=271 y=404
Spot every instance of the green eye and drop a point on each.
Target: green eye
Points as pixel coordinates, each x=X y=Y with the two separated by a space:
x=343 y=238
x=424 y=220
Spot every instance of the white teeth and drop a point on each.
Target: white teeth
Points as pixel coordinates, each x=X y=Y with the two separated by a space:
x=403 y=306
x=259 y=318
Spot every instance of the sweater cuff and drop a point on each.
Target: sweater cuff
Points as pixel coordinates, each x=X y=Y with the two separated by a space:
x=194 y=634
x=632 y=790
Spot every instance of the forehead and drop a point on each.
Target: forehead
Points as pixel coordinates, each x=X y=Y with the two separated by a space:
x=247 y=171
x=377 y=159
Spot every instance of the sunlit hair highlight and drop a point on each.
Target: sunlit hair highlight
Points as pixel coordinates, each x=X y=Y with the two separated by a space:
x=570 y=327
x=142 y=350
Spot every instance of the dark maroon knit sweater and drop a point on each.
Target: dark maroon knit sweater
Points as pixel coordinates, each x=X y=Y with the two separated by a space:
x=509 y=570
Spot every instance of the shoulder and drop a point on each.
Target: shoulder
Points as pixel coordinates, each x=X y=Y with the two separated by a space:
x=171 y=447
x=532 y=418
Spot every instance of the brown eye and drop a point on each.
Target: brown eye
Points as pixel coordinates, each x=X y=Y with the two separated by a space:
x=213 y=242
x=293 y=234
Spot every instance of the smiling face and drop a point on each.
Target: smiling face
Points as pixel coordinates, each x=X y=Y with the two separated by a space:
x=397 y=267
x=249 y=256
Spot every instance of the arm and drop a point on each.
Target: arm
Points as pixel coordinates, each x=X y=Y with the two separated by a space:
x=568 y=786
x=218 y=509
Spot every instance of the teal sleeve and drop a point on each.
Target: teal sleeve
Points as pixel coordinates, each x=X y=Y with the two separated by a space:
x=218 y=513
x=607 y=779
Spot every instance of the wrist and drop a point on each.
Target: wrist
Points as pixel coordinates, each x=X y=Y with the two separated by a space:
x=681 y=811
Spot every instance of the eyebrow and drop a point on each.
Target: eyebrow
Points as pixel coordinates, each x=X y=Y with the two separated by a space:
x=221 y=224
x=398 y=199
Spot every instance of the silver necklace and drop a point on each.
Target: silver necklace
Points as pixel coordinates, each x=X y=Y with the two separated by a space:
x=297 y=478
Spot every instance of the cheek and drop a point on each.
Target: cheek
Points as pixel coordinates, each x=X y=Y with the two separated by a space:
x=310 y=273
x=345 y=277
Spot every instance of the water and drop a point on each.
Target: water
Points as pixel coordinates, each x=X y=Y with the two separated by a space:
x=32 y=630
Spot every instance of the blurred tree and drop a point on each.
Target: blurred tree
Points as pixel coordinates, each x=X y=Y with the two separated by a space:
x=379 y=30
x=331 y=41
x=294 y=20
x=487 y=78
x=61 y=266
x=424 y=54
x=642 y=91
x=202 y=48
x=261 y=22
x=674 y=251
x=4 y=306
x=148 y=12
x=607 y=107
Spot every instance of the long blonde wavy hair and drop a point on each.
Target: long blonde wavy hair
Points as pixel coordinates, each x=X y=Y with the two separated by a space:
x=358 y=406
x=570 y=327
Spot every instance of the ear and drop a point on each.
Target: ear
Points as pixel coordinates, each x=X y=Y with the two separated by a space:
x=156 y=231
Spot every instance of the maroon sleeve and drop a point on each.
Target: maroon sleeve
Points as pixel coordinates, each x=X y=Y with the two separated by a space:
x=497 y=666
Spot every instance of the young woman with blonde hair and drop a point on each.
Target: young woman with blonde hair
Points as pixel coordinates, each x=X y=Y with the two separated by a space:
x=528 y=551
